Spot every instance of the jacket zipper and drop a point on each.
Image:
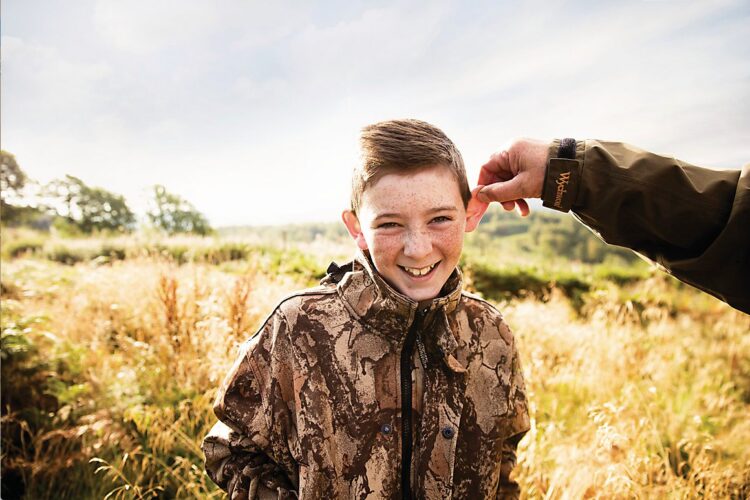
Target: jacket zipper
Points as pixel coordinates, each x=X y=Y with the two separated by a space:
x=406 y=409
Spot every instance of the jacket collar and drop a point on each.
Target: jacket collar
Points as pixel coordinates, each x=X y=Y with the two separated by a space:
x=383 y=309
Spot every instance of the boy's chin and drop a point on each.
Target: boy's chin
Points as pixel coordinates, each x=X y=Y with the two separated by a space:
x=414 y=293
x=421 y=293
x=418 y=297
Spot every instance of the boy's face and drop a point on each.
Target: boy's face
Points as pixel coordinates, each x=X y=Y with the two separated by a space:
x=413 y=226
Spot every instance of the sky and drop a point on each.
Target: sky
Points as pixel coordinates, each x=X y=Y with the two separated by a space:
x=252 y=110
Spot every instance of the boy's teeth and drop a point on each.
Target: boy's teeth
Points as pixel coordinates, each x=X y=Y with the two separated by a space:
x=419 y=271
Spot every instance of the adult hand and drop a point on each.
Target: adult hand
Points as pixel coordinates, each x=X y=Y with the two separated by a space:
x=514 y=174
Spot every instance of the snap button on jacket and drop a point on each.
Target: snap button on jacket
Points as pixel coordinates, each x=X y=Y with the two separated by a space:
x=312 y=406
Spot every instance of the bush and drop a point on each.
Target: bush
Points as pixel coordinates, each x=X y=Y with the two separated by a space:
x=279 y=261
x=112 y=252
x=621 y=275
x=179 y=254
x=65 y=255
x=21 y=247
x=224 y=252
x=503 y=284
x=497 y=283
x=65 y=228
x=573 y=287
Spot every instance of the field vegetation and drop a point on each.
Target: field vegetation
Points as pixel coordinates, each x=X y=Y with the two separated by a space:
x=113 y=348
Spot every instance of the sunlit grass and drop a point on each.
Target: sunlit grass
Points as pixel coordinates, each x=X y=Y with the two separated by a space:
x=640 y=389
x=631 y=410
x=129 y=369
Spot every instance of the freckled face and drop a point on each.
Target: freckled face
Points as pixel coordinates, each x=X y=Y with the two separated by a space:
x=413 y=226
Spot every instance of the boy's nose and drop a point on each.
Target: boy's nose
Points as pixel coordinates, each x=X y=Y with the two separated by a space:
x=417 y=245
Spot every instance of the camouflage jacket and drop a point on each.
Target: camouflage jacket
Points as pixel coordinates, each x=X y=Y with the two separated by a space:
x=312 y=407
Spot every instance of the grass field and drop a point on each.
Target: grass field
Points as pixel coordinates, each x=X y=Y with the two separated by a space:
x=112 y=351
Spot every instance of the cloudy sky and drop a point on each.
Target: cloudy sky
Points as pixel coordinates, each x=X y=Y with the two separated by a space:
x=251 y=110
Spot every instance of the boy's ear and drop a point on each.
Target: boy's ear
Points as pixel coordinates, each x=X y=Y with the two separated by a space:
x=475 y=210
x=352 y=225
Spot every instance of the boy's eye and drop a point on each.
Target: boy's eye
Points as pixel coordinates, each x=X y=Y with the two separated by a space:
x=387 y=225
x=441 y=218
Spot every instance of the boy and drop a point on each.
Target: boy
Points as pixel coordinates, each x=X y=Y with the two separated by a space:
x=387 y=381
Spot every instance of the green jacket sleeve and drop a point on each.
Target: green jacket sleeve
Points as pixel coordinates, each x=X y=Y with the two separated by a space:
x=693 y=221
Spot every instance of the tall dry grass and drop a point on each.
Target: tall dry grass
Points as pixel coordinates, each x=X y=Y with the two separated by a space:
x=136 y=350
x=630 y=403
x=642 y=392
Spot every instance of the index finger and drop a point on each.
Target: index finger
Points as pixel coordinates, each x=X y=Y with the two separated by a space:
x=497 y=169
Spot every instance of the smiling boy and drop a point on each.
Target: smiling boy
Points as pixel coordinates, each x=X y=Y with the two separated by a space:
x=388 y=380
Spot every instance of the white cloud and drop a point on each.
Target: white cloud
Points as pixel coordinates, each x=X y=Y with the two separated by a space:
x=646 y=74
x=377 y=46
x=143 y=26
x=260 y=24
x=251 y=111
x=46 y=84
x=248 y=88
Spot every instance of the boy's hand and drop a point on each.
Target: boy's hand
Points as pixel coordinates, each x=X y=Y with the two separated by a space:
x=514 y=174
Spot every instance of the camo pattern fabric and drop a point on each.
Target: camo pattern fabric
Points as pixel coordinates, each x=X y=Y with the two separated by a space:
x=311 y=407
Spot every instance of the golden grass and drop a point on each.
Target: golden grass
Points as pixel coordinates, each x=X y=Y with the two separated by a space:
x=626 y=410
x=147 y=344
x=643 y=398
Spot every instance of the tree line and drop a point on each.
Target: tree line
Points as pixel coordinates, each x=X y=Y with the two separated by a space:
x=72 y=206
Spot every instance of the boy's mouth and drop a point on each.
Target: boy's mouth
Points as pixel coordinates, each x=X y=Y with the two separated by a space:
x=420 y=272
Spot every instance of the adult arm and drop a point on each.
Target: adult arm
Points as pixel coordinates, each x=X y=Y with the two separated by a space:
x=693 y=221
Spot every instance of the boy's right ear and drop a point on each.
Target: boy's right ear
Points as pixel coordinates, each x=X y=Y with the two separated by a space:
x=352 y=225
x=475 y=210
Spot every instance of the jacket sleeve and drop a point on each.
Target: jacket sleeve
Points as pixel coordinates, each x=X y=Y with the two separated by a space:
x=509 y=488
x=248 y=452
x=692 y=221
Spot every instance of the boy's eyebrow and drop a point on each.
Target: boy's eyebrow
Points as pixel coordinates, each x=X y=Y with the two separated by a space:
x=445 y=208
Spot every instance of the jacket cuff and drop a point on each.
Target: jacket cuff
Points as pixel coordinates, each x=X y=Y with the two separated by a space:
x=562 y=177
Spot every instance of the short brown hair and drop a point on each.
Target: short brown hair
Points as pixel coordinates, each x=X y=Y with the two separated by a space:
x=399 y=146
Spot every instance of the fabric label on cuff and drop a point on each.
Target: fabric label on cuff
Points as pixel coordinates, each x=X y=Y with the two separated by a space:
x=560 y=184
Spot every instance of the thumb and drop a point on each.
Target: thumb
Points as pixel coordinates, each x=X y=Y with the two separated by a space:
x=501 y=191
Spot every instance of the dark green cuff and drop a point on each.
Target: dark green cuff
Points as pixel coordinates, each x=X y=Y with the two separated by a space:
x=560 y=181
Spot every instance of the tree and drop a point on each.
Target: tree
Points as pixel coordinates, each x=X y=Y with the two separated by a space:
x=12 y=182
x=174 y=214
x=90 y=208
x=14 y=196
x=12 y=178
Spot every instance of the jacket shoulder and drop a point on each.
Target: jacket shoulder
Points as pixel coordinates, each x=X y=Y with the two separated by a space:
x=291 y=305
x=306 y=294
x=477 y=305
x=487 y=322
